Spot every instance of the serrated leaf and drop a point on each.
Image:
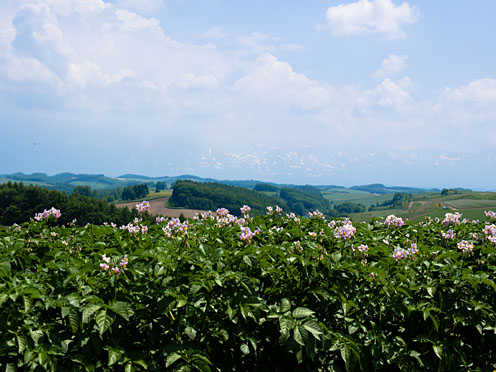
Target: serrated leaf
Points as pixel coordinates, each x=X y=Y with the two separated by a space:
x=302 y=312
x=122 y=308
x=103 y=321
x=22 y=343
x=171 y=359
x=89 y=310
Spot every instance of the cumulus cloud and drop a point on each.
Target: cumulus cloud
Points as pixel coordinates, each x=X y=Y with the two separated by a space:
x=477 y=91
x=391 y=66
x=371 y=16
x=392 y=92
x=274 y=81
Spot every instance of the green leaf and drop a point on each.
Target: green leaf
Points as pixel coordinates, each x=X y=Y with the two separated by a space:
x=190 y=332
x=285 y=305
x=298 y=337
x=302 y=312
x=247 y=260
x=129 y=367
x=103 y=321
x=114 y=355
x=89 y=310
x=122 y=308
x=22 y=343
x=10 y=368
x=73 y=319
x=171 y=359
x=438 y=349
x=28 y=303
x=313 y=327
x=285 y=325
x=3 y=298
x=346 y=355
x=245 y=349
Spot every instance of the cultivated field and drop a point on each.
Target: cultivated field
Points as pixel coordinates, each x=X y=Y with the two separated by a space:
x=158 y=208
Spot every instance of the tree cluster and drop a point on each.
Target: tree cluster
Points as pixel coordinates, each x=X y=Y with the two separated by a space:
x=135 y=192
x=19 y=203
x=211 y=195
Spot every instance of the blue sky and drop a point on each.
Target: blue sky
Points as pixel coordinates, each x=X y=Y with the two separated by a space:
x=318 y=92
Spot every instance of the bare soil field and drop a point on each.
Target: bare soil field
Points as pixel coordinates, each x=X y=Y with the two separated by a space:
x=158 y=208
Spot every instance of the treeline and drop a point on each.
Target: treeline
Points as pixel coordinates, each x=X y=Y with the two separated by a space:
x=19 y=203
x=211 y=195
x=399 y=201
x=131 y=192
x=300 y=199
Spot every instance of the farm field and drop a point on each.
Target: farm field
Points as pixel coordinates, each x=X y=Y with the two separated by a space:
x=275 y=292
x=158 y=207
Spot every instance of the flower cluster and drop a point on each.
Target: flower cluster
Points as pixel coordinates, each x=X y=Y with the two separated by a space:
x=245 y=210
x=490 y=233
x=465 y=246
x=316 y=215
x=450 y=234
x=346 y=231
x=135 y=228
x=247 y=234
x=174 y=226
x=363 y=248
x=490 y=214
x=46 y=214
x=292 y=217
x=393 y=221
x=451 y=219
x=113 y=269
x=222 y=212
x=400 y=253
x=143 y=207
x=413 y=249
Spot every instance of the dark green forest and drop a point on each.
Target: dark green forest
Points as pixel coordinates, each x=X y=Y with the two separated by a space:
x=300 y=199
x=19 y=203
x=210 y=196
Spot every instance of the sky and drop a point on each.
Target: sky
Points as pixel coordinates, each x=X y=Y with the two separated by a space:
x=307 y=92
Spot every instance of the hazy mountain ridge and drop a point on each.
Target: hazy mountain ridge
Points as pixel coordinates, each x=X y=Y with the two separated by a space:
x=102 y=181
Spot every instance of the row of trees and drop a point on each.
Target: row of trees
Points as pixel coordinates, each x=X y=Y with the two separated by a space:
x=19 y=203
x=211 y=195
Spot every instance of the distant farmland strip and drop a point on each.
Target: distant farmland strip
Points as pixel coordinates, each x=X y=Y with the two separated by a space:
x=158 y=208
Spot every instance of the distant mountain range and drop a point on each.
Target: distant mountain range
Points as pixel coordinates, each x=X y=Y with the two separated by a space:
x=66 y=181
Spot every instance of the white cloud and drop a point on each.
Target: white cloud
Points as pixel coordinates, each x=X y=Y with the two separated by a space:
x=375 y=16
x=393 y=93
x=145 y=7
x=479 y=91
x=274 y=81
x=391 y=66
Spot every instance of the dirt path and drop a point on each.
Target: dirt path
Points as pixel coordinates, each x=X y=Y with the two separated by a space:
x=158 y=208
x=409 y=206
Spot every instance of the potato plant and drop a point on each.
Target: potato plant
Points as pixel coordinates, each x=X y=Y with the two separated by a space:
x=271 y=293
